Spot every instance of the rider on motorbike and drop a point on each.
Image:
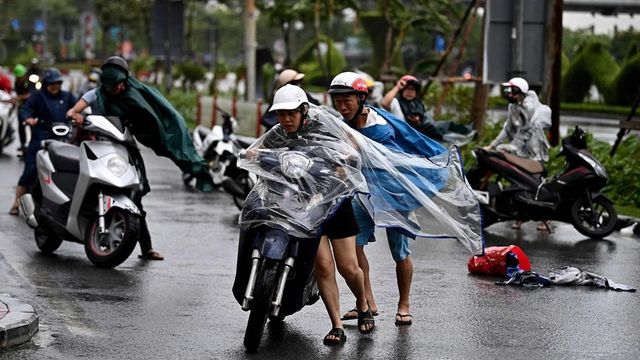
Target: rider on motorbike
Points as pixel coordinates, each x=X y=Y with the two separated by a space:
x=300 y=124
x=527 y=120
x=154 y=123
x=42 y=109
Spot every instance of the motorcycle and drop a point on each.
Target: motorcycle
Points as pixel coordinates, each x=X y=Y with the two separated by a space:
x=7 y=113
x=219 y=146
x=85 y=193
x=520 y=190
x=275 y=265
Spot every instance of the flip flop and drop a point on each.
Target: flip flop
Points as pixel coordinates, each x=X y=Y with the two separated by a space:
x=366 y=318
x=13 y=211
x=349 y=316
x=402 y=321
x=330 y=339
x=151 y=255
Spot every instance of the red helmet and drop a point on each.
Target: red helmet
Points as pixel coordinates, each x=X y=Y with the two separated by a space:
x=348 y=83
x=411 y=80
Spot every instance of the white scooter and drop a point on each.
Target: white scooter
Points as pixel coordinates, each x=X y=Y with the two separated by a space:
x=219 y=147
x=86 y=192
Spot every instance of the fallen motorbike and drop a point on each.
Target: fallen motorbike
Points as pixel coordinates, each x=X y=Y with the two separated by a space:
x=520 y=190
x=219 y=146
x=7 y=113
x=278 y=242
x=85 y=193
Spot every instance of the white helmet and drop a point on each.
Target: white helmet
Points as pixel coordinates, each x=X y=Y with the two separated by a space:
x=518 y=82
x=348 y=83
x=289 y=97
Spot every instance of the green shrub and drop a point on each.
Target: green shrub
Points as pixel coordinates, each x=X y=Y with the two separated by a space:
x=592 y=65
x=185 y=104
x=625 y=88
x=191 y=73
x=307 y=63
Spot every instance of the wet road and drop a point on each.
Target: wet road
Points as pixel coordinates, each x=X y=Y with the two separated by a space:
x=183 y=308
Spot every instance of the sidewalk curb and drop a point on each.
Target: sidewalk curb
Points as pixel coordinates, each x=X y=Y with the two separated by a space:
x=19 y=323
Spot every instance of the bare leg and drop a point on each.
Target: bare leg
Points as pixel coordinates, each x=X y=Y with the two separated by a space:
x=363 y=262
x=326 y=276
x=20 y=190
x=404 y=276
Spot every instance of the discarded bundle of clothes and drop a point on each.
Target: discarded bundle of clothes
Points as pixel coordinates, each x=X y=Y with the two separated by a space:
x=512 y=262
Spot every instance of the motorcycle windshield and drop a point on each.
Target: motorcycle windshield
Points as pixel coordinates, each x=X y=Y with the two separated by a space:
x=418 y=195
x=302 y=178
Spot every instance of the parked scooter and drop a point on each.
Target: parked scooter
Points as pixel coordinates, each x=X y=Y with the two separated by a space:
x=7 y=114
x=85 y=193
x=219 y=146
x=274 y=273
x=520 y=190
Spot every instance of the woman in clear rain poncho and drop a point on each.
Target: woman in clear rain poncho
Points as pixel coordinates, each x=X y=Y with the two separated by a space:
x=405 y=190
x=308 y=172
x=524 y=129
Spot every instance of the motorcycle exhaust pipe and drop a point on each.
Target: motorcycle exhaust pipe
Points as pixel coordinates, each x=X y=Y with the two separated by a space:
x=233 y=188
x=248 y=293
x=27 y=209
x=288 y=265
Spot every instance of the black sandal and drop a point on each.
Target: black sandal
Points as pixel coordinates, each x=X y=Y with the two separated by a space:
x=330 y=338
x=349 y=316
x=366 y=318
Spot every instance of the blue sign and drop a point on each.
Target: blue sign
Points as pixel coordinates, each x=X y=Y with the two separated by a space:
x=15 y=24
x=38 y=26
x=441 y=44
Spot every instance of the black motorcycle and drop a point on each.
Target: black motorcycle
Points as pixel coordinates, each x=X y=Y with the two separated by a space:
x=513 y=188
x=274 y=273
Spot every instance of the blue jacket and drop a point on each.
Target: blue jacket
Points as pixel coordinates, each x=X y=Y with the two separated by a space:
x=48 y=109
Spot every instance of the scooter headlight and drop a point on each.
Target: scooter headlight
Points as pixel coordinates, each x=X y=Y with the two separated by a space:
x=597 y=167
x=117 y=165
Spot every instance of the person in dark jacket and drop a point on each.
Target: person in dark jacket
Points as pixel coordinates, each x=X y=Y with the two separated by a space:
x=43 y=108
x=154 y=123
x=23 y=88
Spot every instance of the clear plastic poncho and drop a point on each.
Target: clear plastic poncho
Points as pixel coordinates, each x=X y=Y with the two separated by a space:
x=525 y=129
x=419 y=196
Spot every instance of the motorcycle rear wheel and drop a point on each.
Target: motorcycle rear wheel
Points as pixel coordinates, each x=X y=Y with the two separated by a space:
x=114 y=247
x=262 y=294
x=46 y=242
x=597 y=221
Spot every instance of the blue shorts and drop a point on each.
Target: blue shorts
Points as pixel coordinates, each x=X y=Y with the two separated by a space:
x=398 y=243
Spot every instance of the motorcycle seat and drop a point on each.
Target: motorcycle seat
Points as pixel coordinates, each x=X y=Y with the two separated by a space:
x=531 y=166
x=203 y=132
x=65 y=157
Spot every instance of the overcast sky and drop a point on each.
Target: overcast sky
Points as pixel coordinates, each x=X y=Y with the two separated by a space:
x=603 y=24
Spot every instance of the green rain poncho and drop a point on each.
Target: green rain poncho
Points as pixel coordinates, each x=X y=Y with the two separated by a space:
x=153 y=121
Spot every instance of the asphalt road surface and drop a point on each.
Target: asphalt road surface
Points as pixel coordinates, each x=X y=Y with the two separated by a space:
x=182 y=308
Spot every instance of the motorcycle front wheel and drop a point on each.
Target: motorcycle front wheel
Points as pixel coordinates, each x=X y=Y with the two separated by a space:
x=46 y=242
x=262 y=294
x=117 y=243
x=596 y=220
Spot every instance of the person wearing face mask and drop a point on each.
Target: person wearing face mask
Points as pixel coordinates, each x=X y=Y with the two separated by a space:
x=42 y=109
x=523 y=133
